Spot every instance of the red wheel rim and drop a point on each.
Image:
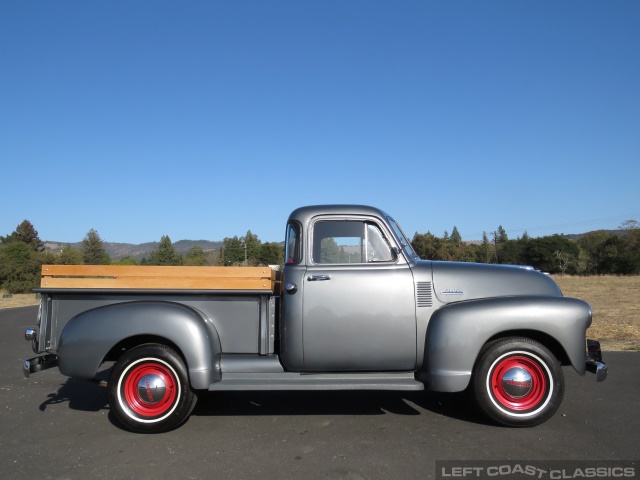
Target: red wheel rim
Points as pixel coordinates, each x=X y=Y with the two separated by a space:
x=519 y=383
x=150 y=389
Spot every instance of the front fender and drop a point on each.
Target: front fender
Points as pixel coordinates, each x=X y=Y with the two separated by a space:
x=89 y=336
x=457 y=332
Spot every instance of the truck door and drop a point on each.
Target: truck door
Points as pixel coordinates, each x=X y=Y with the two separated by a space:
x=358 y=306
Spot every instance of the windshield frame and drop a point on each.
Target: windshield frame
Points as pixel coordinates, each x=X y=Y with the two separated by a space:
x=402 y=239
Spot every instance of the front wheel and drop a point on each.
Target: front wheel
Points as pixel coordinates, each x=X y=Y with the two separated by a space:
x=149 y=389
x=517 y=382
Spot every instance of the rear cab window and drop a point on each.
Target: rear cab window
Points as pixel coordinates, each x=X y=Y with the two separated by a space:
x=293 y=244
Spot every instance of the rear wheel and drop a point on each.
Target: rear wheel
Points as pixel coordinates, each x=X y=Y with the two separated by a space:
x=518 y=382
x=149 y=389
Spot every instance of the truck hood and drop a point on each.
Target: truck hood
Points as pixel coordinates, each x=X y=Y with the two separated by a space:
x=457 y=281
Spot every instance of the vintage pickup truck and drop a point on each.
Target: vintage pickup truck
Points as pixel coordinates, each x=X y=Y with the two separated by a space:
x=354 y=308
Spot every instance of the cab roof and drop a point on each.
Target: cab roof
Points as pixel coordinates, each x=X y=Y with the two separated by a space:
x=305 y=214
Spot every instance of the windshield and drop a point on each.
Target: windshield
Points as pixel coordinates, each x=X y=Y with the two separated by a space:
x=406 y=244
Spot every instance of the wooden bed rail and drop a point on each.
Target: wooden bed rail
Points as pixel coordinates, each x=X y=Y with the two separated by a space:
x=158 y=278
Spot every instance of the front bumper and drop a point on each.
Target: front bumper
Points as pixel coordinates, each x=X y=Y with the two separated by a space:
x=594 y=360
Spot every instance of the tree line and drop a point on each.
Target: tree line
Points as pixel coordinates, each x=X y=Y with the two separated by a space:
x=22 y=253
x=595 y=253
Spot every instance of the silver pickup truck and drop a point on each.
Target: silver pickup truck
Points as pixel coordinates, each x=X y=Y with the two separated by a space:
x=355 y=308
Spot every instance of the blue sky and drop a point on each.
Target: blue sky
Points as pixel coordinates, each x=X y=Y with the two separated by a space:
x=203 y=119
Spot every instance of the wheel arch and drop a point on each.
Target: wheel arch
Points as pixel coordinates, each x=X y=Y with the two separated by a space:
x=457 y=333
x=107 y=332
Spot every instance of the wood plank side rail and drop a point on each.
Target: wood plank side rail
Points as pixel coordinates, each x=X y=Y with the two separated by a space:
x=158 y=278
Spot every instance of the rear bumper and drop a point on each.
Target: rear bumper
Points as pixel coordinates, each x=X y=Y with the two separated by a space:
x=594 y=360
x=36 y=364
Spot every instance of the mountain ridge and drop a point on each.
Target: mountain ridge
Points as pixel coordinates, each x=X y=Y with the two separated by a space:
x=118 y=251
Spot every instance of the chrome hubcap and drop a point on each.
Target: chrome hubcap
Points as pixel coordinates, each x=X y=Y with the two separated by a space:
x=151 y=389
x=517 y=382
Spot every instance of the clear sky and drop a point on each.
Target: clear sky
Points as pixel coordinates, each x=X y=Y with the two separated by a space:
x=203 y=119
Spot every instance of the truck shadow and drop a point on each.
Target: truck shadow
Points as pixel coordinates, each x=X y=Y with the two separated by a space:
x=264 y=403
x=83 y=395
x=80 y=395
x=88 y=396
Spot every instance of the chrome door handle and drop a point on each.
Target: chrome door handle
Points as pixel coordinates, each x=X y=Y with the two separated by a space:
x=318 y=278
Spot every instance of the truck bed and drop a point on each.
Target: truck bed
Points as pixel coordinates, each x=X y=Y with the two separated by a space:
x=239 y=301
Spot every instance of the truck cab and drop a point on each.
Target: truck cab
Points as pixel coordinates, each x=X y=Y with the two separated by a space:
x=348 y=301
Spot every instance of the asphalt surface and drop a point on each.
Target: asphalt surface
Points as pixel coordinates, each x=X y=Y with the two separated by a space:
x=53 y=427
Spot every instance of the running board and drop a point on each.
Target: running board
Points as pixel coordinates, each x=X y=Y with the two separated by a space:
x=320 y=381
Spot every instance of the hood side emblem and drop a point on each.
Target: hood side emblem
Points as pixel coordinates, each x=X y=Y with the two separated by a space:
x=452 y=291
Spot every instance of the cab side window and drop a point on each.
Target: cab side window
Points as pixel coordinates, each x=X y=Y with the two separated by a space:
x=349 y=241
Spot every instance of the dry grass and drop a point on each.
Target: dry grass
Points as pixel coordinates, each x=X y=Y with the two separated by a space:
x=20 y=300
x=615 y=302
x=616 y=308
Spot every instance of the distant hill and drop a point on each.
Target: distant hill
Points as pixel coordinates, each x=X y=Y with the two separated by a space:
x=577 y=236
x=570 y=236
x=120 y=250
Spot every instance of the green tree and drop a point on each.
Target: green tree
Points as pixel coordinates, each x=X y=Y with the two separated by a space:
x=542 y=253
x=329 y=251
x=26 y=233
x=93 y=251
x=164 y=254
x=195 y=256
x=456 y=250
x=455 y=237
x=70 y=256
x=125 y=261
x=594 y=251
x=252 y=246
x=501 y=235
x=232 y=252
x=462 y=252
x=484 y=250
x=499 y=239
x=511 y=252
x=48 y=258
x=271 y=253
x=430 y=247
x=19 y=267
x=629 y=258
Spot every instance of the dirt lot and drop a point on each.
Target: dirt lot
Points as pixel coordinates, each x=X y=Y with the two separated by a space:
x=615 y=302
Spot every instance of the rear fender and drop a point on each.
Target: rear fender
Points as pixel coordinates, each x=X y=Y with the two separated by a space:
x=457 y=332
x=88 y=337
